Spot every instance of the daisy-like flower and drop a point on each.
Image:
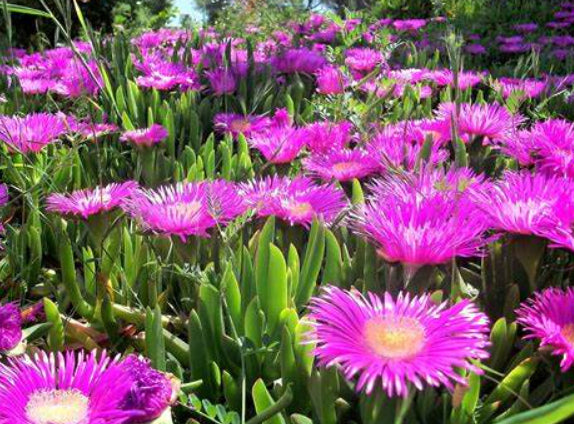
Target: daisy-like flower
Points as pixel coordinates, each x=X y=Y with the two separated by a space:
x=321 y=137
x=88 y=202
x=528 y=88
x=31 y=133
x=330 y=80
x=421 y=221
x=363 y=60
x=278 y=144
x=222 y=81
x=64 y=388
x=10 y=327
x=94 y=130
x=489 y=121
x=523 y=203
x=235 y=124
x=341 y=165
x=394 y=343
x=185 y=209
x=162 y=75
x=300 y=60
x=146 y=137
x=151 y=392
x=296 y=201
x=553 y=143
x=549 y=317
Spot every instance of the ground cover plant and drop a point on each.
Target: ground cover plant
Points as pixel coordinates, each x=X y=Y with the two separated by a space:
x=336 y=219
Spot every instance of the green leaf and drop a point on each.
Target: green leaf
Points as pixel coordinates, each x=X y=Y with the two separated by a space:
x=155 y=345
x=312 y=263
x=277 y=290
x=24 y=10
x=555 y=412
x=56 y=332
x=267 y=409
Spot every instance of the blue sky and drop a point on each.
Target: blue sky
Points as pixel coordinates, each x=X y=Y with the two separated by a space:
x=187 y=7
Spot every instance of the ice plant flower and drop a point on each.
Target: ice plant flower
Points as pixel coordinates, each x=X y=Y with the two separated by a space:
x=31 y=133
x=549 y=317
x=278 y=144
x=394 y=343
x=151 y=393
x=330 y=80
x=64 y=389
x=321 y=137
x=421 y=221
x=185 y=209
x=296 y=201
x=341 y=165
x=146 y=137
x=88 y=202
x=235 y=124
x=10 y=327
x=222 y=81
x=489 y=121
x=300 y=60
x=363 y=60
x=523 y=203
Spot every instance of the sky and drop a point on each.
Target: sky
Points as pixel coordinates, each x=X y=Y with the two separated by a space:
x=187 y=7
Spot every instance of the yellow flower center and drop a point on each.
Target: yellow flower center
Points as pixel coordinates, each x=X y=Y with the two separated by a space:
x=57 y=407
x=345 y=166
x=394 y=338
x=187 y=209
x=240 y=125
x=568 y=333
x=300 y=209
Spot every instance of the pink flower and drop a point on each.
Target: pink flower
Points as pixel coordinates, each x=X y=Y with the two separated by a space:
x=330 y=80
x=10 y=326
x=31 y=133
x=222 y=81
x=549 y=316
x=341 y=165
x=420 y=220
x=146 y=137
x=296 y=201
x=300 y=60
x=235 y=124
x=88 y=202
x=321 y=137
x=363 y=59
x=394 y=342
x=278 y=144
x=185 y=209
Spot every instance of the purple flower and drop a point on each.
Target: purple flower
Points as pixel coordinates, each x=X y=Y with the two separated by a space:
x=185 y=209
x=523 y=203
x=422 y=219
x=88 y=202
x=412 y=25
x=528 y=88
x=321 y=137
x=549 y=316
x=146 y=137
x=10 y=328
x=278 y=144
x=341 y=164
x=300 y=60
x=235 y=124
x=162 y=75
x=330 y=80
x=390 y=343
x=363 y=59
x=489 y=121
x=31 y=133
x=222 y=81
x=64 y=388
x=151 y=392
x=296 y=201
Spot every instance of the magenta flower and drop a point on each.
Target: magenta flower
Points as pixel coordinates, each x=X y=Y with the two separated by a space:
x=549 y=316
x=296 y=201
x=422 y=220
x=88 y=202
x=395 y=149
x=31 y=133
x=10 y=327
x=526 y=88
x=411 y=25
x=392 y=343
x=64 y=388
x=489 y=121
x=363 y=60
x=553 y=144
x=185 y=209
x=4 y=196
x=94 y=130
x=151 y=392
x=222 y=81
x=235 y=124
x=278 y=144
x=300 y=60
x=523 y=203
x=341 y=165
x=321 y=137
x=146 y=137
x=330 y=80
x=162 y=75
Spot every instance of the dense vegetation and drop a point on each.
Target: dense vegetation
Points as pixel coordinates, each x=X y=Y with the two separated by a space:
x=295 y=213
